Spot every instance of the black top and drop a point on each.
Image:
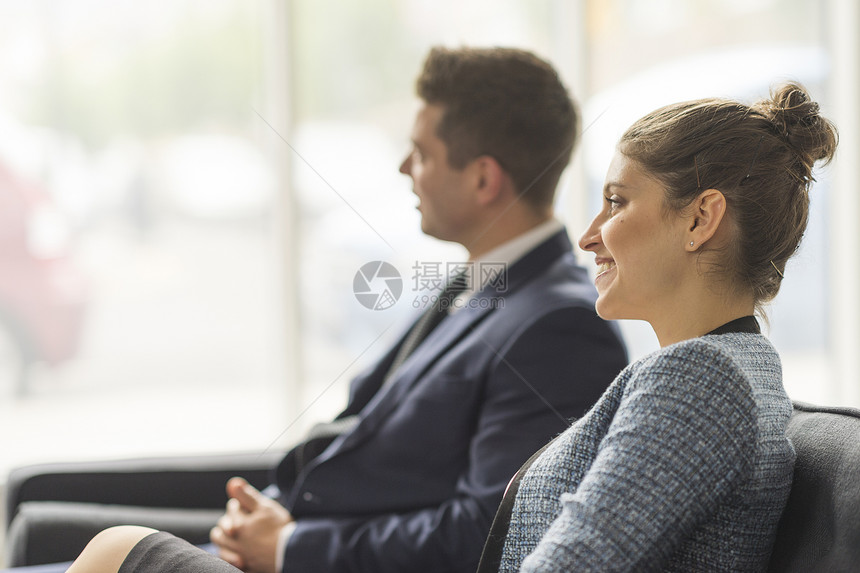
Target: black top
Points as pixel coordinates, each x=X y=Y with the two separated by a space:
x=746 y=324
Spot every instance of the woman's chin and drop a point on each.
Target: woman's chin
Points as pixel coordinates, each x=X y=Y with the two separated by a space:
x=608 y=308
x=604 y=310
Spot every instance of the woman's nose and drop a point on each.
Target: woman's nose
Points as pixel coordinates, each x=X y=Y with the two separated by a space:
x=591 y=237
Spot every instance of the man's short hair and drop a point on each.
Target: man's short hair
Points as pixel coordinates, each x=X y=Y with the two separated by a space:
x=505 y=103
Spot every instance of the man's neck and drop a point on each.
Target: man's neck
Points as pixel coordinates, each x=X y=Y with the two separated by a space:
x=511 y=250
x=502 y=230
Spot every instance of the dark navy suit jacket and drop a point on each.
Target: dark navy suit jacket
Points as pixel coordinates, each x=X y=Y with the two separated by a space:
x=415 y=485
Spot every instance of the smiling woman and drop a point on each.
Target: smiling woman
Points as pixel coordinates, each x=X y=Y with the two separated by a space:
x=632 y=238
x=703 y=204
x=727 y=182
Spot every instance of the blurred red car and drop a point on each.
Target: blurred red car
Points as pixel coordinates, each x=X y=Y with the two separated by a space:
x=42 y=293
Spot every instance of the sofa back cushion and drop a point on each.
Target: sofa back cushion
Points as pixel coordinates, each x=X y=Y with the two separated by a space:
x=820 y=527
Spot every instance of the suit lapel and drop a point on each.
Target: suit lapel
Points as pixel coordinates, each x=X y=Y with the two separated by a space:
x=450 y=332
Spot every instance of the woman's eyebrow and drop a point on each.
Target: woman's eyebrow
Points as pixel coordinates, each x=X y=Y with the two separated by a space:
x=610 y=184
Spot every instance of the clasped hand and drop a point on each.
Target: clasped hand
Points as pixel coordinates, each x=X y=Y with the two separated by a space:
x=247 y=534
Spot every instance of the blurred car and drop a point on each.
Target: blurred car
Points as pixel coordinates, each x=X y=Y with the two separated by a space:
x=42 y=293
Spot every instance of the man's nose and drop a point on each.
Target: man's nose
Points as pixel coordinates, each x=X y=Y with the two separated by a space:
x=406 y=165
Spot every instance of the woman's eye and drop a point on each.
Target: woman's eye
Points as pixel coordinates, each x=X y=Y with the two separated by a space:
x=612 y=204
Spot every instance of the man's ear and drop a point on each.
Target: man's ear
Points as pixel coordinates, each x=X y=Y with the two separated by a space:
x=704 y=216
x=489 y=179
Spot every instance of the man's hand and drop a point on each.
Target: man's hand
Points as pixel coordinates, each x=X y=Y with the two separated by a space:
x=247 y=534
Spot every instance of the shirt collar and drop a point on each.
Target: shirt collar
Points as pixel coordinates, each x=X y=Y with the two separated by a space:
x=510 y=252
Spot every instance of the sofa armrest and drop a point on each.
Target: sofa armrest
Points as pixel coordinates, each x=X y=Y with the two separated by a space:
x=192 y=482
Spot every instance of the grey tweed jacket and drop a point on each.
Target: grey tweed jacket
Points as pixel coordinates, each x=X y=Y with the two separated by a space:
x=682 y=465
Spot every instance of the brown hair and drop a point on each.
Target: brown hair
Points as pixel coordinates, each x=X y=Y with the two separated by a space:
x=760 y=157
x=505 y=103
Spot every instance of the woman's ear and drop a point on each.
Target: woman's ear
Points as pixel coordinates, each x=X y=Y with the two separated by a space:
x=705 y=215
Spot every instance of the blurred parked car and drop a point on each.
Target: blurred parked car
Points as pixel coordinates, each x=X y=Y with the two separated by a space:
x=42 y=293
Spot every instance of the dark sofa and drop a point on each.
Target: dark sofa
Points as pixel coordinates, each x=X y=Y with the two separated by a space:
x=55 y=509
x=819 y=531
x=820 y=528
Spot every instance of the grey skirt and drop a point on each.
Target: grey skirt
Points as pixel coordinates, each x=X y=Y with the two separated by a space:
x=164 y=553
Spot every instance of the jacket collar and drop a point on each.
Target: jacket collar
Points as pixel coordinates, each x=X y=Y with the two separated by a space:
x=458 y=325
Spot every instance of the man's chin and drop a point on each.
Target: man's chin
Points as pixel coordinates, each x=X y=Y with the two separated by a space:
x=431 y=231
x=427 y=229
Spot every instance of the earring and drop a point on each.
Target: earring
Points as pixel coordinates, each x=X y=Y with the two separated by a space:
x=691 y=243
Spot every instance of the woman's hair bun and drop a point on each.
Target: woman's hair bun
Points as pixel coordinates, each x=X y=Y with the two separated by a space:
x=796 y=118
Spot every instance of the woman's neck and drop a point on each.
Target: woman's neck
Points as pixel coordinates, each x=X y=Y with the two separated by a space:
x=698 y=313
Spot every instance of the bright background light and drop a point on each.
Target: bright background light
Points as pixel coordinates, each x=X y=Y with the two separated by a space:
x=187 y=190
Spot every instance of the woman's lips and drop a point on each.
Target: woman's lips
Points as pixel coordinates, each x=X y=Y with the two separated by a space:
x=604 y=267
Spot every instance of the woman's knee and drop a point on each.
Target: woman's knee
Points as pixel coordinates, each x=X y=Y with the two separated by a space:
x=122 y=536
x=107 y=550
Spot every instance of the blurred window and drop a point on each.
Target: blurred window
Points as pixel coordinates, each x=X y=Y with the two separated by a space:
x=142 y=234
x=138 y=285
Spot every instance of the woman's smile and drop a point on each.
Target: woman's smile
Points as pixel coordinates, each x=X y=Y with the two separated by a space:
x=603 y=268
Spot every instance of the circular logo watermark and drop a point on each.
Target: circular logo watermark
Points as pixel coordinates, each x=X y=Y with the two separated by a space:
x=377 y=285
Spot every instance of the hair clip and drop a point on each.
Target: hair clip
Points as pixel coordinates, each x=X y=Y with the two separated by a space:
x=755 y=156
x=782 y=276
x=696 y=165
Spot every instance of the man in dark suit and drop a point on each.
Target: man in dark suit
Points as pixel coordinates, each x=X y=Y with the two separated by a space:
x=433 y=432
x=408 y=477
